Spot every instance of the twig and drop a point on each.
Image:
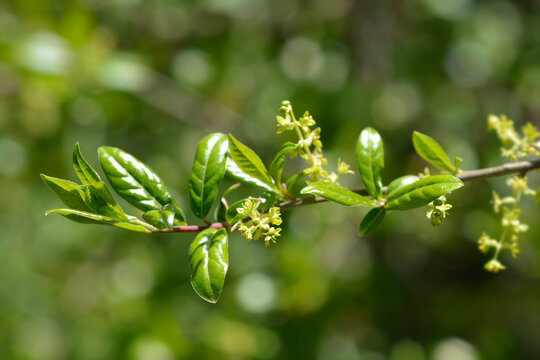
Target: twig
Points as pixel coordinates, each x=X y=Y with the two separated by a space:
x=521 y=167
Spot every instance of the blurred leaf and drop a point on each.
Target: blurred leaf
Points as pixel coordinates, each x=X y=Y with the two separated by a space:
x=89 y=218
x=137 y=183
x=432 y=152
x=208 y=261
x=370 y=160
x=250 y=168
x=207 y=172
x=276 y=166
x=400 y=182
x=71 y=194
x=268 y=199
x=371 y=221
x=98 y=197
x=337 y=193
x=422 y=192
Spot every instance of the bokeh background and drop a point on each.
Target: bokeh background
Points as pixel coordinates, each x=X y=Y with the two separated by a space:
x=153 y=77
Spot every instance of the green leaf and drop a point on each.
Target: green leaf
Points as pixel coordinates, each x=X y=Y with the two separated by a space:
x=154 y=218
x=249 y=167
x=432 y=152
x=422 y=192
x=233 y=171
x=222 y=207
x=98 y=197
x=162 y=219
x=293 y=179
x=135 y=182
x=90 y=218
x=207 y=172
x=268 y=199
x=371 y=221
x=71 y=194
x=232 y=216
x=400 y=182
x=208 y=261
x=337 y=193
x=276 y=166
x=370 y=160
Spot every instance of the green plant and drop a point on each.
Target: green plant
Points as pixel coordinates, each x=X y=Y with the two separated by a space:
x=259 y=216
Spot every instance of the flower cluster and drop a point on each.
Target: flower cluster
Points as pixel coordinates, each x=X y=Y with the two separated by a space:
x=309 y=144
x=511 y=225
x=260 y=224
x=515 y=145
x=438 y=211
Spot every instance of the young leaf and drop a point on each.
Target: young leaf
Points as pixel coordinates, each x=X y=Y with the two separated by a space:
x=400 y=182
x=208 y=261
x=90 y=218
x=207 y=172
x=422 y=192
x=370 y=160
x=162 y=219
x=71 y=194
x=337 y=193
x=293 y=179
x=232 y=216
x=276 y=166
x=222 y=207
x=268 y=199
x=250 y=165
x=136 y=182
x=432 y=152
x=233 y=171
x=98 y=197
x=371 y=221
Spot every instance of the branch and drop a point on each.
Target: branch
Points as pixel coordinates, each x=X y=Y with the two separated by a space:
x=521 y=167
x=194 y=228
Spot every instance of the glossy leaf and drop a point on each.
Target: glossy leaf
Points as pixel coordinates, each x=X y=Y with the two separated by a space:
x=233 y=171
x=98 y=197
x=249 y=167
x=432 y=152
x=337 y=193
x=90 y=218
x=370 y=160
x=154 y=218
x=422 y=192
x=162 y=219
x=276 y=166
x=400 y=182
x=207 y=172
x=71 y=194
x=135 y=182
x=208 y=261
x=232 y=215
x=371 y=221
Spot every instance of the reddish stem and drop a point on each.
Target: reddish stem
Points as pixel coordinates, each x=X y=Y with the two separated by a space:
x=195 y=228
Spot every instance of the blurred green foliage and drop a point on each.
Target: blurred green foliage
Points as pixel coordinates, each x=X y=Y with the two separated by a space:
x=153 y=77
